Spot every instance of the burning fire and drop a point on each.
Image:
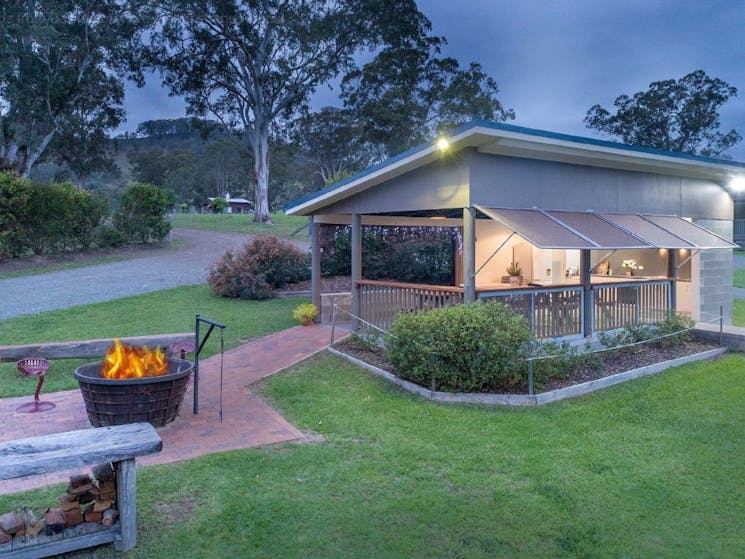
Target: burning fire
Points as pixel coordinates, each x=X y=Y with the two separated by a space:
x=125 y=361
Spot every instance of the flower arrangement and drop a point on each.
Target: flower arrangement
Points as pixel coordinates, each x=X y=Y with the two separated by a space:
x=305 y=313
x=630 y=264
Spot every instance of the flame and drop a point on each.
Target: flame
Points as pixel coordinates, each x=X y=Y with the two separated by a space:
x=125 y=361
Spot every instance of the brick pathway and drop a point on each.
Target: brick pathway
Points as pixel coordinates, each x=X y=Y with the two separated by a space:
x=248 y=421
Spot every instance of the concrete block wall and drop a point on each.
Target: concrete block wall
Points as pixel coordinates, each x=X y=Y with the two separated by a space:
x=715 y=275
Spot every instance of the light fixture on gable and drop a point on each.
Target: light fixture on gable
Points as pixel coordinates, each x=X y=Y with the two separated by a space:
x=442 y=144
x=737 y=183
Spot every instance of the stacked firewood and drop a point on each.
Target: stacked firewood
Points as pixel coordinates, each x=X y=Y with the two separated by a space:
x=87 y=499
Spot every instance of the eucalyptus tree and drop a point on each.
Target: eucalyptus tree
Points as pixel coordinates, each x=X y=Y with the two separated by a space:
x=61 y=66
x=408 y=93
x=678 y=115
x=253 y=64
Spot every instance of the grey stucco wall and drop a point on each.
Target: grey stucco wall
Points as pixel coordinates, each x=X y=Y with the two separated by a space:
x=715 y=275
x=439 y=185
x=512 y=182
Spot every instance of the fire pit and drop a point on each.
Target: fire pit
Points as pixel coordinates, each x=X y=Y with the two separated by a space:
x=116 y=401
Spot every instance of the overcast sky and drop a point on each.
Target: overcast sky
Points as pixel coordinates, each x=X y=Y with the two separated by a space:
x=555 y=59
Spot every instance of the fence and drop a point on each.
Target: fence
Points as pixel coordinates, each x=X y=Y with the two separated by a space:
x=621 y=304
x=552 y=312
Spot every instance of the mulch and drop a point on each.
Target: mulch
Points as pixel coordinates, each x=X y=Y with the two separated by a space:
x=608 y=363
x=332 y=284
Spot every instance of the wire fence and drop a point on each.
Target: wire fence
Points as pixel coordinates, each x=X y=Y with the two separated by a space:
x=713 y=319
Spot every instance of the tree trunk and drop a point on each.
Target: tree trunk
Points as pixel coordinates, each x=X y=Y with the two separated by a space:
x=261 y=175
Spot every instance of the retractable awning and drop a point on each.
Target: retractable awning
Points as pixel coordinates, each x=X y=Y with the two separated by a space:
x=610 y=231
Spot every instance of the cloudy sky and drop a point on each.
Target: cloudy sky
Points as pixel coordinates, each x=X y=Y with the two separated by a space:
x=555 y=59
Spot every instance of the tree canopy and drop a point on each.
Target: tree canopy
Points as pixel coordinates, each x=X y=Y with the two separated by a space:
x=677 y=115
x=253 y=64
x=61 y=63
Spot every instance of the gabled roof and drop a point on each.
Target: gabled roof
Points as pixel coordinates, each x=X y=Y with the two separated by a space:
x=518 y=141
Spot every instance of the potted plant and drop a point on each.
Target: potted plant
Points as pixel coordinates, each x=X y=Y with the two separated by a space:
x=630 y=266
x=305 y=313
x=515 y=272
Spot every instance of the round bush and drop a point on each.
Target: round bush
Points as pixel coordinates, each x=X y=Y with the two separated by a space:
x=263 y=264
x=479 y=347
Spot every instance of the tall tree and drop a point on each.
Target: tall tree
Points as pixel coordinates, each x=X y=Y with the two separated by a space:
x=58 y=59
x=254 y=63
x=332 y=138
x=677 y=115
x=407 y=93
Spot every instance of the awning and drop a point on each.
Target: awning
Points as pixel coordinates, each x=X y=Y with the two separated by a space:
x=610 y=231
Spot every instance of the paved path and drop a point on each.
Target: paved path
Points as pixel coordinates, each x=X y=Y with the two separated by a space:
x=247 y=420
x=104 y=282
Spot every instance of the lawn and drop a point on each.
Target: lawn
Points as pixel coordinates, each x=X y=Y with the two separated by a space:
x=170 y=310
x=738 y=312
x=652 y=468
x=283 y=226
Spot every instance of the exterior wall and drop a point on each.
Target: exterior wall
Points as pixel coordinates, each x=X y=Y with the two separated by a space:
x=511 y=182
x=712 y=277
x=440 y=185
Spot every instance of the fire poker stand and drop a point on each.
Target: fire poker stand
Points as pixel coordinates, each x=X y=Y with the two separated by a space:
x=199 y=345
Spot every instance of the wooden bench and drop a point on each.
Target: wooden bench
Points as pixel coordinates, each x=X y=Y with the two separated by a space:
x=53 y=453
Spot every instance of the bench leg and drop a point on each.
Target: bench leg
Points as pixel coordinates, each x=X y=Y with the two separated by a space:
x=126 y=501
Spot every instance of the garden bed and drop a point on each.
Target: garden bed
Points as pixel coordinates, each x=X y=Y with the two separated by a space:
x=620 y=364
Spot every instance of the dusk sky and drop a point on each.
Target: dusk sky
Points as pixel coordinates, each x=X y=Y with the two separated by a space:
x=553 y=60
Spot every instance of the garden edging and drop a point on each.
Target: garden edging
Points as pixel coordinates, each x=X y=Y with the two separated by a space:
x=537 y=399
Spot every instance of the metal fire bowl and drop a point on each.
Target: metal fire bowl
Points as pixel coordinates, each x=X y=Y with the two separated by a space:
x=156 y=400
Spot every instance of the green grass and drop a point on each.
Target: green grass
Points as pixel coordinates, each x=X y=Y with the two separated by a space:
x=651 y=468
x=738 y=312
x=283 y=226
x=160 y=312
x=738 y=278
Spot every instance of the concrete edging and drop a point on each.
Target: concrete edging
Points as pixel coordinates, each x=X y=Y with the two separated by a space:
x=537 y=399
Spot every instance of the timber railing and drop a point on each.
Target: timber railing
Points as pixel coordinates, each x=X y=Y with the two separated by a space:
x=552 y=312
x=381 y=301
x=616 y=305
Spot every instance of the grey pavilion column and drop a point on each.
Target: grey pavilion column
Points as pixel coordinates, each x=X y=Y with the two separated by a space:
x=356 y=268
x=672 y=273
x=469 y=255
x=584 y=266
x=315 y=262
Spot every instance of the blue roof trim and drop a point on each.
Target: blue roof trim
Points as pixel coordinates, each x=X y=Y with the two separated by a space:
x=596 y=142
x=520 y=130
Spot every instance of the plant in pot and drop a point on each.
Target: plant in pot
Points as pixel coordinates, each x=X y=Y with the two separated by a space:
x=515 y=272
x=305 y=313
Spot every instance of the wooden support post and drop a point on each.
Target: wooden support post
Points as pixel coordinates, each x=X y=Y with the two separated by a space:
x=469 y=255
x=315 y=262
x=126 y=499
x=672 y=273
x=585 y=266
x=356 y=268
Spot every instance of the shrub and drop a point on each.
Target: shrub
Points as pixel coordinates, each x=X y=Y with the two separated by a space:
x=61 y=217
x=279 y=261
x=305 y=313
x=672 y=324
x=479 y=347
x=110 y=237
x=264 y=263
x=232 y=276
x=141 y=217
x=14 y=194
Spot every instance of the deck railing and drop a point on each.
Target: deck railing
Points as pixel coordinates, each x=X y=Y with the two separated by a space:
x=616 y=305
x=381 y=301
x=552 y=312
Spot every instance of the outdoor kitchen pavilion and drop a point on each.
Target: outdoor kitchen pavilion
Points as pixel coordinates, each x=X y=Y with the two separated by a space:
x=571 y=210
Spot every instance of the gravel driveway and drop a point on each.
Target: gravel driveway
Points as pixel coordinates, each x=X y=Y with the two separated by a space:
x=104 y=282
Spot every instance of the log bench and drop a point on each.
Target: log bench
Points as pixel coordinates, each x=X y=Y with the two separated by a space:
x=119 y=445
